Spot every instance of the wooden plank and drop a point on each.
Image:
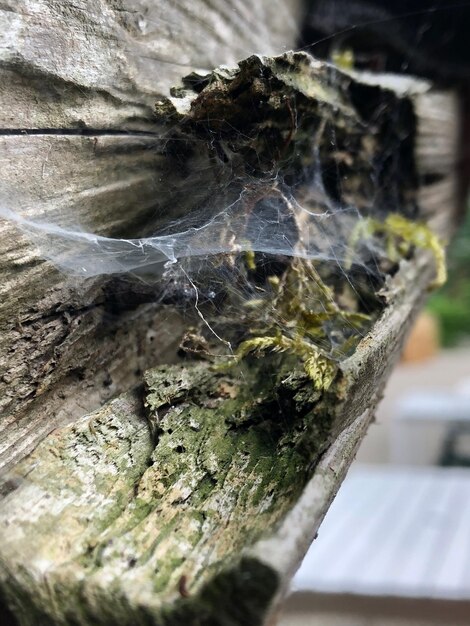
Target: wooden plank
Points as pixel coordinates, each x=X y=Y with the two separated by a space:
x=102 y=65
x=424 y=555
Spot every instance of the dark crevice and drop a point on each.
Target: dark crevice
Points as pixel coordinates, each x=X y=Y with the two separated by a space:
x=86 y=132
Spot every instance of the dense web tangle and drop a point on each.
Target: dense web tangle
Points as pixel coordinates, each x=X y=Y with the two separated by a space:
x=288 y=197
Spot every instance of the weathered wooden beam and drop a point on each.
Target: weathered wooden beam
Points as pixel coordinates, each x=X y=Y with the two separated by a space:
x=194 y=500
x=191 y=500
x=204 y=524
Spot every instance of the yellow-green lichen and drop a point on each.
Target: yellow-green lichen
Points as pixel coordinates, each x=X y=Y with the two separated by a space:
x=344 y=58
x=294 y=317
x=400 y=234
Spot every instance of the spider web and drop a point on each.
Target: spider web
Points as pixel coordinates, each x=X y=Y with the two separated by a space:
x=271 y=168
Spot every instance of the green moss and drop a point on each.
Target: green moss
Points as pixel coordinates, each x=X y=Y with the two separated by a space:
x=400 y=235
x=237 y=445
x=296 y=318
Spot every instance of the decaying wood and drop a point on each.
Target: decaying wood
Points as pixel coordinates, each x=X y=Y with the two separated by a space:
x=77 y=130
x=191 y=500
x=194 y=500
x=204 y=524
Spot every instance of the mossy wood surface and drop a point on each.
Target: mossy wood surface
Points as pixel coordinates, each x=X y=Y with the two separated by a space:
x=191 y=500
x=194 y=500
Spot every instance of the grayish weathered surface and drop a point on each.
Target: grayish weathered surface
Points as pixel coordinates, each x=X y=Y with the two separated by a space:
x=205 y=524
x=197 y=507
x=77 y=145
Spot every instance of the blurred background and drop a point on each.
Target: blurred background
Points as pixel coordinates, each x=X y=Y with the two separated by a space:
x=394 y=549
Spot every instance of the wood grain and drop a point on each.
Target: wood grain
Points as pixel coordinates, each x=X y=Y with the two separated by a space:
x=78 y=142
